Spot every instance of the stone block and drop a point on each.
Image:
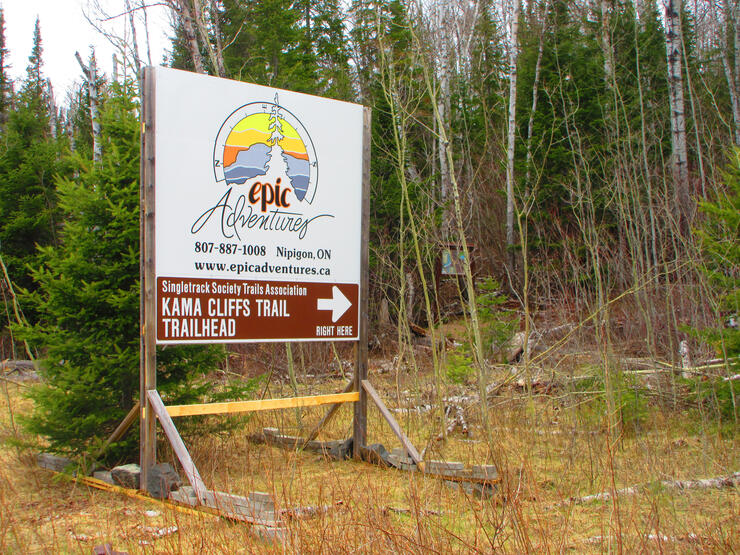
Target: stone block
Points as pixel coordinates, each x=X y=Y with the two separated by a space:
x=342 y=450
x=402 y=463
x=126 y=476
x=53 y=462
x=162 y=479
x=104 y=476
x=376 y=454
x=400 y=456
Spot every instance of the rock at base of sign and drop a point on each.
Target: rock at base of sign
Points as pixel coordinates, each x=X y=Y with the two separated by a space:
x=53 y=462
x=376 y=454
x=341 y=450
x=162 y=479
x=401 y=460
x=104 y=476
x=126 y=476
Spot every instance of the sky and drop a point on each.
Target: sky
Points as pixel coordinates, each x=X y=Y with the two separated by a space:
x=64 y=30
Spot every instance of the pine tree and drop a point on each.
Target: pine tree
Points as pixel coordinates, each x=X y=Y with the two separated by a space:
x=34 y=78
x=264 y=44
x=30 y=159
x=87 y=299
x=325 y=55
x=5 y=81
x=720 y=238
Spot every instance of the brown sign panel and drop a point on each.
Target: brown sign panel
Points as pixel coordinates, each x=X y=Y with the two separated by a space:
x=191 y=310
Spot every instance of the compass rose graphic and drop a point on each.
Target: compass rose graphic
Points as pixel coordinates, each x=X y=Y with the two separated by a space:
x=264 y=137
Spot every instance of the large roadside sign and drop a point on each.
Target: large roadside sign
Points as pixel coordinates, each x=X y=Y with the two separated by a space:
x=257 y=212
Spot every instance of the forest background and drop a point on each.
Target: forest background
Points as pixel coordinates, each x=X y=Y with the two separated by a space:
x=581 y=154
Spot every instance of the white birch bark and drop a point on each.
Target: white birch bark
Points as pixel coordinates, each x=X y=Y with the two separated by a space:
x=134 y=43
x=70 y=130
x=214 y=55
x=535 y=93
x=220 y=66
x=182 y=11
x=606 y=43
x=443 y=104
x=733 y=95
x=679 y=158
x=91 y=76
x=53 y=110
x=513 y=56
x=736 y=24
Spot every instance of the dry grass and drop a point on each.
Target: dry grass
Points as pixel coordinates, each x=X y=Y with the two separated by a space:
x=550 y=450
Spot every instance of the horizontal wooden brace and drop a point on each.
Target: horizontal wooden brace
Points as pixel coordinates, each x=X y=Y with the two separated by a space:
x=262 y=404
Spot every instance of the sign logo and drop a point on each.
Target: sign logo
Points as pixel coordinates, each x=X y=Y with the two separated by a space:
x=264 y=138
x=268 y=161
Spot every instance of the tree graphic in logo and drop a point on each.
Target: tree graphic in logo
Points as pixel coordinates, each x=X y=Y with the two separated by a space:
x=264 y=139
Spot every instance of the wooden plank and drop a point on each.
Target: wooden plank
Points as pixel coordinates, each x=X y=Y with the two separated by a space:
x=148 y=357
x=261 y=404
x=410 y=449
x=188 y=466
x=359 y=423
x=120 y=430
x=328 y=416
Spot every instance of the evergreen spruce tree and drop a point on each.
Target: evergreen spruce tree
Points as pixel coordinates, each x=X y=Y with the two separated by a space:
x=324 y=50
x=265 y=44
x=720 y=238
x=570 y=97
x=30 y=158
x=87 y=298
x=5 y=81
x=35 y=79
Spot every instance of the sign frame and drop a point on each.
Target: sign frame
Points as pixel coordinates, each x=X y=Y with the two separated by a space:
x=151 y=407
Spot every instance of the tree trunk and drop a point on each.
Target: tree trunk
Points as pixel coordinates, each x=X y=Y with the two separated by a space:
x=183 y=13
x=606 y=43
x=444 y=107
x=679 y=159
x=91 y=75
x=134 y=43
x=220 y=66
x=732 y=79
x=513 y=55
x=535 y=93
x=214 y=54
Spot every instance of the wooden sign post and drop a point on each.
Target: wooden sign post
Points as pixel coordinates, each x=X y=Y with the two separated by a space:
x=254 y=227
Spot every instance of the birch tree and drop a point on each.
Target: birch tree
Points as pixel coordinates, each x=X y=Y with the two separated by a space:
x=679 y=158
x=90 y=72
x=184 y=17
x=511 y=133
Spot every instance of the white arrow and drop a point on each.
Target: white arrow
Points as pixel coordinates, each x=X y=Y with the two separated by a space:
x=338 y=304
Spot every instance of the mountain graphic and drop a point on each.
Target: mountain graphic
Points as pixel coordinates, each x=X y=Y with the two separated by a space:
x=248 y=146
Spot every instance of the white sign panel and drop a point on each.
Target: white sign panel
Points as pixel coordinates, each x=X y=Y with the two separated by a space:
x=258 y=198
